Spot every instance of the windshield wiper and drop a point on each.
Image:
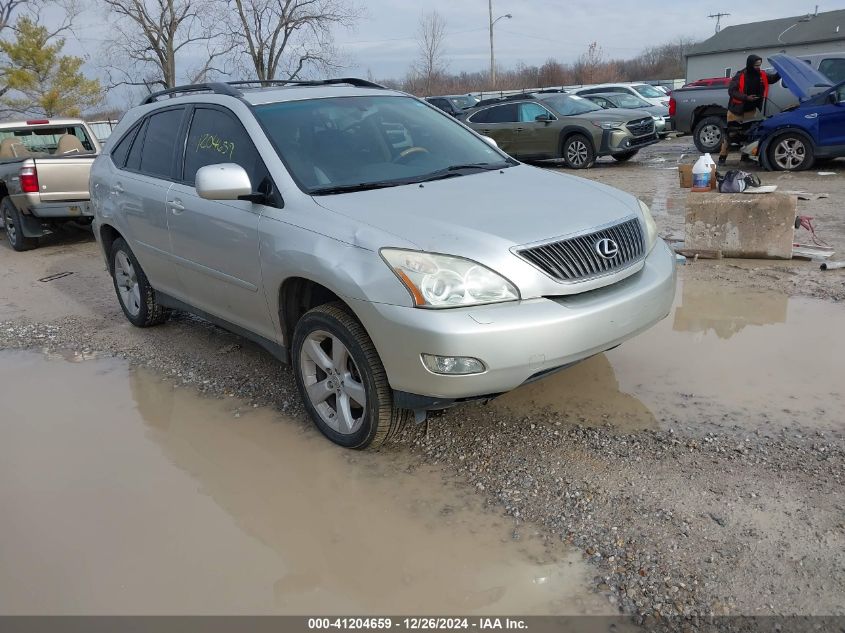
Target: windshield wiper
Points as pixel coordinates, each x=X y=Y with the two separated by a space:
x=361 y=186
x=452 y=170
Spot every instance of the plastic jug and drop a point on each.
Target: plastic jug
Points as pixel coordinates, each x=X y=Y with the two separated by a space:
x=701 y=173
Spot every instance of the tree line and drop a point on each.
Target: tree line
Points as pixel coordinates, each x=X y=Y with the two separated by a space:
x=429 y=74
x=158 y=44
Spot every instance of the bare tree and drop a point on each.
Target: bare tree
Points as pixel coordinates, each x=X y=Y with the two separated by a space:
x=155 y=36
x=288 y=37
x=431 y=64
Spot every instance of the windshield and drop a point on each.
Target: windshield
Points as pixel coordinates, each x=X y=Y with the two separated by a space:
x=629 y=101
x=570 y=105
x=44 y=140
x=464 y=102
x=381 y=141
x=649 y=92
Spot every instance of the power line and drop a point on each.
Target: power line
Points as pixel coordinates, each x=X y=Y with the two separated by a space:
x=718 y=17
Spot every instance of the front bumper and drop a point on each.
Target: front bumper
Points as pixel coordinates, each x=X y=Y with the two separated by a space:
x=517 y=340
x=619 y=141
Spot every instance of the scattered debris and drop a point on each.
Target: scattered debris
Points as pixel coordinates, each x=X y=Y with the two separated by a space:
x=55 y=276
x=702 y=253
x=831 y=265
x=810 y=251
x=827 y=173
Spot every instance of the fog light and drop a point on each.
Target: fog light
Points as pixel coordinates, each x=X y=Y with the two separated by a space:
x=455 y=365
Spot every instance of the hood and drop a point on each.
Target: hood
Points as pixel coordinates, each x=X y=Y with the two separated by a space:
x=799 y=77
x=485 y=212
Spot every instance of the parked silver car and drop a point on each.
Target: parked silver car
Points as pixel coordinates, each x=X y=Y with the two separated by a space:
x=396 y=259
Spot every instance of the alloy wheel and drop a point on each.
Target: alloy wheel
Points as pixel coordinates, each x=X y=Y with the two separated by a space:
x=126 y=281
x=790 y=153
x=711 y=135
x=577 y=153
x=332 y=382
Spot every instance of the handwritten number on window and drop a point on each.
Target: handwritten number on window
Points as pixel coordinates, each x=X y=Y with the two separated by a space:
x=215 y=143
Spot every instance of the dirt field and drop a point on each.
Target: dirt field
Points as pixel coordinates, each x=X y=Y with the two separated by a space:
x=698 y=468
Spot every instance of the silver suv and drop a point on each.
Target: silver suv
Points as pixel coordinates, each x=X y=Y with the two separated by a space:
x=397 y=260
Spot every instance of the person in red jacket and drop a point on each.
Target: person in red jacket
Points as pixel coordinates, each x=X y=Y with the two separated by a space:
x=748 y=91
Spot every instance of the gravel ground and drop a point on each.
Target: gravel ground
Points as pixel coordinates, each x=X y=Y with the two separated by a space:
x=675 y=521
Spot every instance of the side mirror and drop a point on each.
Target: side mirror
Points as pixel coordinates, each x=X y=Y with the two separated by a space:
x=224 y=181
x=491 y=141
x=542 y=117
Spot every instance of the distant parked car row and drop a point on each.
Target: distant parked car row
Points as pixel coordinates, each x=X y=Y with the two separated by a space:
x=555 y=125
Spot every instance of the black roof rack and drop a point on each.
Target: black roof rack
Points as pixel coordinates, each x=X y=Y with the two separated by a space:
x=514 y=97
x=217 y=88
x=230 y=88
x=352 y=81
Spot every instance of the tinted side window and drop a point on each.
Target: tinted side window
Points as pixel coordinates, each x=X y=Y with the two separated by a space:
x=216 y=137
x=121 y=150
x=133 y=161
x=833 y=69
x=590 y=91
x=480 y=117
x=160 y=143
x=503 y=114
x=530 y=111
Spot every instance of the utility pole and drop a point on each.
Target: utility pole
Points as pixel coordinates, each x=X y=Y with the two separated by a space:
x=718 y=17
x=492 y=58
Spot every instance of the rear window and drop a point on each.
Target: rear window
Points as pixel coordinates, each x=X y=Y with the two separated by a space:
x=649 y=92
x=44 y=140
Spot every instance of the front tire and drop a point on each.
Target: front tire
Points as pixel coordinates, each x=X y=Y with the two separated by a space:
x=578 y=152
x=14 y=228
x=623 y=156
x=134 y=292
x=791 y=152
x=708 y=134
x=342 y=380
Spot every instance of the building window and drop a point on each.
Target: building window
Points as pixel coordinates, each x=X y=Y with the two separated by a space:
x=728 y=72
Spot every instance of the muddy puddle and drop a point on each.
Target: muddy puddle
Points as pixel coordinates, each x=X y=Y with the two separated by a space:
x=723 y=357
x=122 y=494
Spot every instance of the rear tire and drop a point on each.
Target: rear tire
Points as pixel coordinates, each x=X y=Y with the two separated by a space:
x=708 y=134
x=14 y=228
x=134 y=292
x=623 y=156
x=337 y=366
x=578 y=152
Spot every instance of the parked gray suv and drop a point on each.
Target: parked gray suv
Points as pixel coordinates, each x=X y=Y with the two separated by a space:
x=397 y=260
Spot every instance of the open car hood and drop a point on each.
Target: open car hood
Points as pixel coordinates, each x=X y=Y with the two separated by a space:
x=804 y=81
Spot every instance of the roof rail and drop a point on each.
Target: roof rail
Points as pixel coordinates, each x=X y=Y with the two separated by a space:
x=216 y=88
x=352 y=81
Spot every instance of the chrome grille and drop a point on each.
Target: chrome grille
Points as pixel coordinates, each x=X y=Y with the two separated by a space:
x=640 y=127
x=577 y=258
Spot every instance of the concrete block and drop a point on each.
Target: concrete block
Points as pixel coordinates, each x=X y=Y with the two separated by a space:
x=742 y=225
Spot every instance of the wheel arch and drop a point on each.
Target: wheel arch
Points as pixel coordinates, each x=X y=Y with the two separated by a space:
x=571 y=130
x=299 y=294
x=108 y=236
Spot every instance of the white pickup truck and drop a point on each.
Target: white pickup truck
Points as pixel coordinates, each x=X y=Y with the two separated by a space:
x=44 y=170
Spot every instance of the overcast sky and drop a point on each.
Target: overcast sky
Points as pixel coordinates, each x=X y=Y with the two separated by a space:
x=385 y=40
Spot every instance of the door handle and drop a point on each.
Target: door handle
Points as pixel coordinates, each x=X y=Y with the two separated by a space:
x=176 y=206
x=519 y=129
x=485 y=131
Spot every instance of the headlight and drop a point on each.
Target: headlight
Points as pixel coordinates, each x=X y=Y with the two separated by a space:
x=608 y=125
x=650 y=227
x=443 y=281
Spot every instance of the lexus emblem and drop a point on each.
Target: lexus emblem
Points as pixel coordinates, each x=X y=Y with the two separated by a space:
x=607 y=248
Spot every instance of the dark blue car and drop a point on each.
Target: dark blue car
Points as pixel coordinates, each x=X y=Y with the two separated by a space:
x=813 y=130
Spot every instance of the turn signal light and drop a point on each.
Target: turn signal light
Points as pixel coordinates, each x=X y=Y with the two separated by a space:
x=29 y=179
